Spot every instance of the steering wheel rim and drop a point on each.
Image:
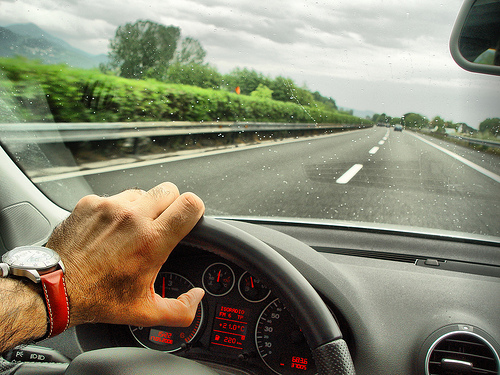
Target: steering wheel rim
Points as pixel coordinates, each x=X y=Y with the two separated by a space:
x=304 y=303
x=320 y=329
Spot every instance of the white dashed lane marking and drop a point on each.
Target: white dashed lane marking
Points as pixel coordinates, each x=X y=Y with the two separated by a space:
x=351 y=172
x=347 y=176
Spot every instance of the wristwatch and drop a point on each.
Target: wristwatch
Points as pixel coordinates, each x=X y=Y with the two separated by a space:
x=42 y=266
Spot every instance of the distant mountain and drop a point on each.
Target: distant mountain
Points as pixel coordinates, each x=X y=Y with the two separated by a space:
x=357 y=112
x=363 y=114
x=32 y=42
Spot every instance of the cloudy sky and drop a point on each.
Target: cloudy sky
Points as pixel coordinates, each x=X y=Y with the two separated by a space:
x=381 y=55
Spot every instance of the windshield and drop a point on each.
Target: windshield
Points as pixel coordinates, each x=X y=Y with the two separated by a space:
x=345 y=111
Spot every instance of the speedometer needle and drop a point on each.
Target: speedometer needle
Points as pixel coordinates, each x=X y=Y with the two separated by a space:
x=218 y=276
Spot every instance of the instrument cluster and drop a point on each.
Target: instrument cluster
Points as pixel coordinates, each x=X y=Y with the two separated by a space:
x=239 y=322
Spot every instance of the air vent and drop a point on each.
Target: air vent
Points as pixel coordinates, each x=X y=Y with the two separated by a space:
x=457 y=353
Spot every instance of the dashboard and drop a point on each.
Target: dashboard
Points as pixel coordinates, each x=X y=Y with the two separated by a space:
x=240 y=323
x=396 y=298
x=406 y=303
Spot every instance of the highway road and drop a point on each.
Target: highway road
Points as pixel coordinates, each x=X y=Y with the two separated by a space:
x=373 y=175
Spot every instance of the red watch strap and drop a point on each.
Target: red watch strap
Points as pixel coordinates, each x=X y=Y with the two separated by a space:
x=56 y=298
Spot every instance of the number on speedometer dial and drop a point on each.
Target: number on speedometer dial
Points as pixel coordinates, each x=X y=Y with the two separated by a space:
x=280 y=342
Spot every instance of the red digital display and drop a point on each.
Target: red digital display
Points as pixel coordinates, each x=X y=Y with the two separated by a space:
x=230 y=327
x=160 y=337
x=296 y=363
x=299 y=363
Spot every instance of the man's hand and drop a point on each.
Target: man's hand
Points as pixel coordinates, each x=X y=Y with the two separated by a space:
x=113 y=248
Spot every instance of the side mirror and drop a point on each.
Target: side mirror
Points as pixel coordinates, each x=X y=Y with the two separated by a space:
x=475 y=40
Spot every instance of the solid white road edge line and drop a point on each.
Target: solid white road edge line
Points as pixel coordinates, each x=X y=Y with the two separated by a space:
x=474 y=166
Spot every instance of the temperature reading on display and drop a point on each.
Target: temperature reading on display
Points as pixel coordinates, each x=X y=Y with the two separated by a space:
x=230 y=328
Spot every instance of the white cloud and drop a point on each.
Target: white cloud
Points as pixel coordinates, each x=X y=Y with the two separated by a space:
x=382 y=55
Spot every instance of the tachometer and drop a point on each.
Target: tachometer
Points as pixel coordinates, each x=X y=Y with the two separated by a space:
x=280 y=342
x=169 y=339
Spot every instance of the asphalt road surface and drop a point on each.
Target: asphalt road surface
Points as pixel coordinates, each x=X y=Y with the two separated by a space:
x=374 y=175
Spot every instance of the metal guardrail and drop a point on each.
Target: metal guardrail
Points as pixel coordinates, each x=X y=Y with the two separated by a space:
x=477 y=141
x=76 y=132
x=474 y=141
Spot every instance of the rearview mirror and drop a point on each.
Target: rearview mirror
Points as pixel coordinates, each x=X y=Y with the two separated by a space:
x=475 y=40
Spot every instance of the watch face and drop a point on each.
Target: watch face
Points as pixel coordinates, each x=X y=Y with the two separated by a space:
x=31 y=257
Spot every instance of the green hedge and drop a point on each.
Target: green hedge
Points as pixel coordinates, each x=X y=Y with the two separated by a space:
x=76 y=95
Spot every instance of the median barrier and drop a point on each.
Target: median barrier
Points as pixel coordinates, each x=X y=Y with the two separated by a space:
x=81 y=132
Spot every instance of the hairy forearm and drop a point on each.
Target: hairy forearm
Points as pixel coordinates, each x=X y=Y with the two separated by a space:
x=139 y=227
x=23 y=317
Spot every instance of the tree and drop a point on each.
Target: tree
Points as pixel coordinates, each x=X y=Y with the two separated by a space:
x=285 y=90
x=302 y=95
x=384 y=119
x=438 y=124
x=190 y=52
x=414 y=120
x=282 y=89
x=247 y=80
x=262 y=91
x=199 y=75
x=396 y=120
x=346 y=111
x=328 y=103
x=143 y=49
x=491 y=125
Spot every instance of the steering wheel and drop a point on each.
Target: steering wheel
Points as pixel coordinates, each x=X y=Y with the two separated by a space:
x=320 y=329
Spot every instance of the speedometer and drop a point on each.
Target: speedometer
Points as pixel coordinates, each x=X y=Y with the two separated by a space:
x=280 y=342
x=169 y=339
